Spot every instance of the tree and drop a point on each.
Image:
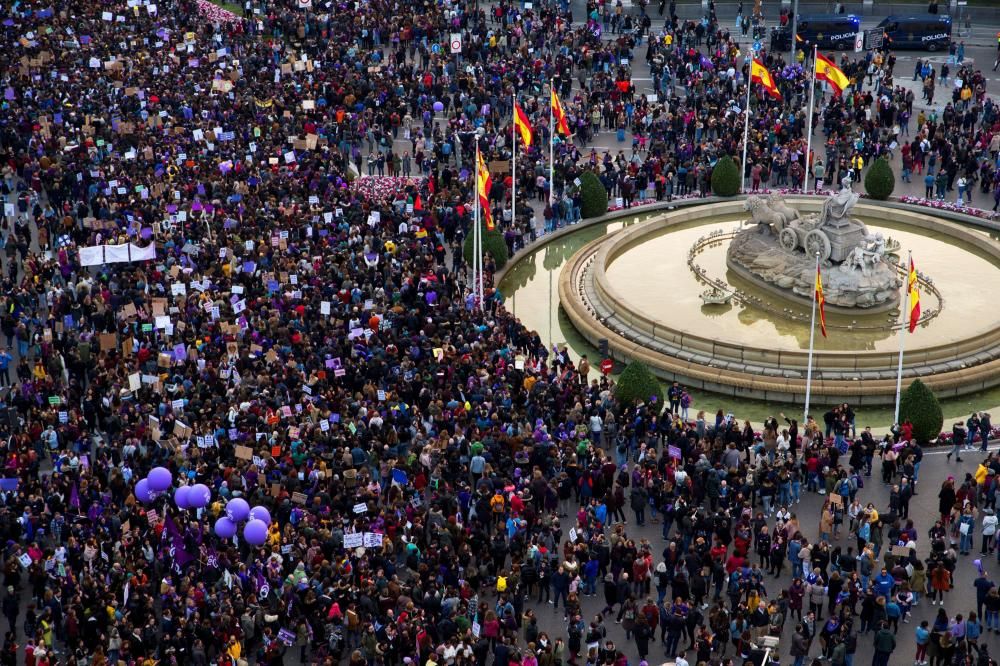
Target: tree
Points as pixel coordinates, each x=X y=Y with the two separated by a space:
x=594 y=198
x=880 y=181
x=725 y=178
x=637 y=382
x=493 y=245
x=921 y=407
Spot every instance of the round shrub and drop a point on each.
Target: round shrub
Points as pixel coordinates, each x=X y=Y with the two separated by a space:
x=880 y=181
x=493 y=245
x=725 y=178
x=594 y=198
x=637 y=382
x=921 y=407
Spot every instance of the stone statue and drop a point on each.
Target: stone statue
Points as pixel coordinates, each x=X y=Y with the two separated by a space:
x=763 y=216
x=781 y=254
x=837 y=207
x=876 y=247
x=858 y=258
x=776 y=202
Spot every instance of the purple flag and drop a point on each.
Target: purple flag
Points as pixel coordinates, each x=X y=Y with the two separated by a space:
x=263 y=587
x=181 y=557
x=74 y=497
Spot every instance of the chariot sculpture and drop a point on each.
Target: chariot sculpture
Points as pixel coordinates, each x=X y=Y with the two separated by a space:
x=782 y=253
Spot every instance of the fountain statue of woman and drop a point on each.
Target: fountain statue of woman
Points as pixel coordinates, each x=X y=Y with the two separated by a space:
x=837 y=206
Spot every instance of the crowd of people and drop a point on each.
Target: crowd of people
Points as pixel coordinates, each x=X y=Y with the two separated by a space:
x=233 y=250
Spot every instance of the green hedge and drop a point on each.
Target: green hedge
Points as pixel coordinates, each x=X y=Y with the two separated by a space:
x=880 y=181
x=493 y=244
x=921 y=407
x=726 y=178
x=594 y=198
x=637 y=382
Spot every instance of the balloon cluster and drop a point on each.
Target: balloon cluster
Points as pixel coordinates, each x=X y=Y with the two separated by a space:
x=237 y=511
x=257 y=519
x=192 y=497
x=156 y=483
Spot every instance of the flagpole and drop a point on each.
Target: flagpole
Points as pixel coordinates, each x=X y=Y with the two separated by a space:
x=746 y=126
x=552 y=143
x=479 y=230
x=475 y=232
x=902 y=338
x=513 y=165
x=809 y=137
x=812 y=340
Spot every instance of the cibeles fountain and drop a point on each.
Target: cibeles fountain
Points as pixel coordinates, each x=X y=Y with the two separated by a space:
x=718 y=295
x=779 y=251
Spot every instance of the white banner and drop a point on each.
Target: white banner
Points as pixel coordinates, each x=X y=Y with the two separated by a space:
x=92 y=256
x=116 y=254
x=98 y=255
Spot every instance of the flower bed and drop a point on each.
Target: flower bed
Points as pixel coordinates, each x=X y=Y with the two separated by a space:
x=383 y=189
x=216 y=14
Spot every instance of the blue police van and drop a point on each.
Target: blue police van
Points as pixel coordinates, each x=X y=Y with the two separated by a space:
x=828 y=31
x=925 y=32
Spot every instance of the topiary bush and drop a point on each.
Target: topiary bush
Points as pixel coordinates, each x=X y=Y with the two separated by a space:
x=921 y=407
x=880 y=181
x=493 y=244
x=725 y=178
x=594 y=198
x=637 y=382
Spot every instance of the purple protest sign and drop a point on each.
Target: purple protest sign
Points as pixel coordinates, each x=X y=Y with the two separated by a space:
x=674 y=452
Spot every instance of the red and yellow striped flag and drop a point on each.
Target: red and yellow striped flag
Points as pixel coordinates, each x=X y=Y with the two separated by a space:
x=913 y=302
x=827 y=71
x=485 y=184
x=820 y=301
x=759 y=74
x=522 y=125
x=562 y=125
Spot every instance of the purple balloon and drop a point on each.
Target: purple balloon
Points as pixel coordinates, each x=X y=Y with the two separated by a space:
x=182 y=497
x=199 y=496
x=225 y=528
x=143 y=493
x=255 y=532
x=438 y=107
x=160 y=479
x=237 y=510
x=261 y=514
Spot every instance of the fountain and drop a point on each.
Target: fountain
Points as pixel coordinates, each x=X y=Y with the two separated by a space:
x=780 y=255
x=648 y=290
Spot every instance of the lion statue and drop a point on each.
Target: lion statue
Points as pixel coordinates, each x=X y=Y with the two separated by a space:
x=776 y=202
x=763 y=216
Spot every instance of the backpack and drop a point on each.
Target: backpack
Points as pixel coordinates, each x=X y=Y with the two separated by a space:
x=501 y=583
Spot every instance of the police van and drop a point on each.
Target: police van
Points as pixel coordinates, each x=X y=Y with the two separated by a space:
x=926 y=32
x=828 y=31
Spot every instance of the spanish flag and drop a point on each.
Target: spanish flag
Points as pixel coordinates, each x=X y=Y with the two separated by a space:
x=485 y=183
x=829 y=72
x=820 y=301
x=913 y=289
x=522 y=125
x=562 y=126
x=759 y=74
